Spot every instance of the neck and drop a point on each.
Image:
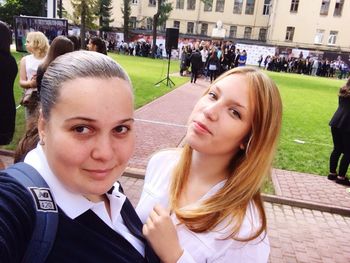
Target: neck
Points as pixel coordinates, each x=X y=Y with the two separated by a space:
x=209 y=168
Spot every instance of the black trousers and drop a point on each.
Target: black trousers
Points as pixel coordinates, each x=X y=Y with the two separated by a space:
x=341 y=142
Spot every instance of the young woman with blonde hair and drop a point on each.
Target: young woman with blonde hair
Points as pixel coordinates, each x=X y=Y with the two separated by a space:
x=37 y=45
x=212 y=185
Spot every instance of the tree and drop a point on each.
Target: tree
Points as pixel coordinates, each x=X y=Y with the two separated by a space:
x=126 y=11
x=163 y=13
x=12 y=8
x=105 y=13
x=84 y=15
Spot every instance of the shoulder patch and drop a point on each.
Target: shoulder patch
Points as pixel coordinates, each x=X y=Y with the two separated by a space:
x=43 y=199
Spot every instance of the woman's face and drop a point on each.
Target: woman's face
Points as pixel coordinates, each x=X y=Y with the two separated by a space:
x=221 y=119
x=89 y=137
x=91 y=47
x=29 y=47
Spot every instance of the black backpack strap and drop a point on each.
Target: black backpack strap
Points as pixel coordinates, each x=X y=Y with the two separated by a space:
x=46 y=212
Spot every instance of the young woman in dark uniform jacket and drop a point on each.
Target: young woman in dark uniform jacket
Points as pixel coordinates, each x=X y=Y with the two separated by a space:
x=86 y=131
x=340 y=127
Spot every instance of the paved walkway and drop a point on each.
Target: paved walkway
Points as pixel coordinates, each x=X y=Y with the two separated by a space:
x=308 y=218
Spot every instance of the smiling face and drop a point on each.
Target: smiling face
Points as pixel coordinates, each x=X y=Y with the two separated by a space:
x=89 y=136
x=221 y=120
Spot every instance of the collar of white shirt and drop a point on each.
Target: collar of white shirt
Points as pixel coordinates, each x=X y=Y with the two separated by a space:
x=73 y=204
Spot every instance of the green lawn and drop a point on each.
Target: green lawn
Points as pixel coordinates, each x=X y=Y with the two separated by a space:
x=308 y=104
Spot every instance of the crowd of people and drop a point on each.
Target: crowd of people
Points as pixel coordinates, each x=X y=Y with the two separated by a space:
x=308 y=66
x=210 y=59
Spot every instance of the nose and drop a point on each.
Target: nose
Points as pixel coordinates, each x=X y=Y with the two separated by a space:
x=103 y=149
x=212 y=112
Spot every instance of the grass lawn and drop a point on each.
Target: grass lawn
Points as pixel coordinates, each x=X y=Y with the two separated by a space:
x=308 y=104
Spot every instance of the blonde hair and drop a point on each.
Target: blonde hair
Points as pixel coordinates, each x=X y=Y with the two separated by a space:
x=39 y=43
x=247 y=169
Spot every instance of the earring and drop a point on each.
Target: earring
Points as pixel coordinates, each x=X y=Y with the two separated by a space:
x=41 y=142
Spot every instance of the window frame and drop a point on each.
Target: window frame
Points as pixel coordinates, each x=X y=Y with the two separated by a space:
x=338 y=10
x=247 y=32
x=204 y=26
x=233 y=32
x=325 y=7
x=332 y=38
x=220 y=6
x=294 y=6
x=290 y=31
x=238 y=7
x=191 y=7
x=180 y=4
x=188 y=27
x=249 y=7
x=266 y=8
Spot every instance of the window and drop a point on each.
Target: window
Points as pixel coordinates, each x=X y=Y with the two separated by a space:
x=332 y=39
x=208 y=5
x=191 y=4
x=247 y=32
x=132 y=22
x=294 y=6
x=338 y=7
x=319 y=36
x=149 y=23
x=262 y=34
x=220 y=5
x=249 y=7
x=190 y=27
x=233 y=31
x=177 y=24
x=290 y=33
x=204 y=29
x=162 y=27
x=324 y=7
x=134 y=2
x=152 y=2
x=180 y=4
x=237 y=6
x=267 y=5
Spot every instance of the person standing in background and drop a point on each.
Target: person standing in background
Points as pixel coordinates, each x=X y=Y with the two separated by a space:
x=8 y=73
x=340 y=128
x=37 y=44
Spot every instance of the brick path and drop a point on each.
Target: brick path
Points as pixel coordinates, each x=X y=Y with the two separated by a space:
x=296 y=234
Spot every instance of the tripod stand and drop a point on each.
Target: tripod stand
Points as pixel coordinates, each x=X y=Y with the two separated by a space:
x=169 y=82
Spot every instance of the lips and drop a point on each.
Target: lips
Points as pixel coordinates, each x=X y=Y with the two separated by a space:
x=98 y=174
x=200 y=127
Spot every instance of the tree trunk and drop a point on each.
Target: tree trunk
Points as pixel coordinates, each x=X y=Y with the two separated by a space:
x=154 y=29
x=83 y=25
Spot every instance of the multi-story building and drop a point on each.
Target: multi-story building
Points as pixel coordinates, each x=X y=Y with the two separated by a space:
x=306 y=24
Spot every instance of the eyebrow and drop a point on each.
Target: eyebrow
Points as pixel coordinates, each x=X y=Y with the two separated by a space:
x=231 y=100
x=93 y=120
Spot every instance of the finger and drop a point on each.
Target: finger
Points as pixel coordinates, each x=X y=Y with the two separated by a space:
x=161 y=210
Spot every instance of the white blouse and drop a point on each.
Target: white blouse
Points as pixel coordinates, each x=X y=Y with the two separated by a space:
x=201 y=247
x=74 y=204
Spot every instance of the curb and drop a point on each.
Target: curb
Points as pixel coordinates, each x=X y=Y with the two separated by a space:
x=140 y=174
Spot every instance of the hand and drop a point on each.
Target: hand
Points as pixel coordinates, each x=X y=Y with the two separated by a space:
x=161 y=233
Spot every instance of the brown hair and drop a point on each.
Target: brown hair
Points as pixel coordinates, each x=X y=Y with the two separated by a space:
x=345 y=90
x=248 y=169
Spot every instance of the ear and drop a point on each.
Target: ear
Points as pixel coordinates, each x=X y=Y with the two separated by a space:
x=41 y=126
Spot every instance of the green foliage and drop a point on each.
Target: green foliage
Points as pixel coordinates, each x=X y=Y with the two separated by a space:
x=12 y=8
x=105 y=13
x=126 y=11
x=165 y=10
x=90 y=9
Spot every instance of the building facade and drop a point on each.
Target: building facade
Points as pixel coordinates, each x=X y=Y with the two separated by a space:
x=306 y=24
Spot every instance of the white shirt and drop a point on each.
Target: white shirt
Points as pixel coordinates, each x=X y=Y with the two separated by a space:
x=32 y=64
x=74 y=204
x=201 y=247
